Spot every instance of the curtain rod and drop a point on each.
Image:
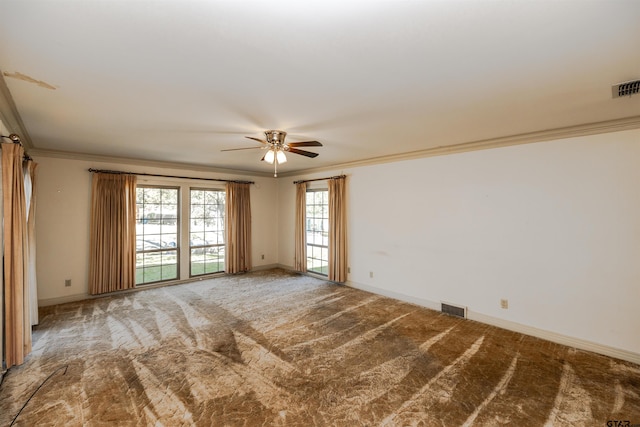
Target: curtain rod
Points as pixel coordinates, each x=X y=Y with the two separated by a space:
x=13 y=137
x=16 y=140
x=168 y=176
x=319 y=179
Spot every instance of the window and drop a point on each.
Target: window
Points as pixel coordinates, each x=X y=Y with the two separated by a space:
x=317 y=230
x=157 y=243
x=206 y=231
x=161 y=232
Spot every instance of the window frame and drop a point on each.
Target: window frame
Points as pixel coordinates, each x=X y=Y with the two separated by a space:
x=211 y=245
x=160 y=250
x=307 y=231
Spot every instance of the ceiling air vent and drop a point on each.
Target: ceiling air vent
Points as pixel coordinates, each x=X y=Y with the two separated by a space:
x=625 y=89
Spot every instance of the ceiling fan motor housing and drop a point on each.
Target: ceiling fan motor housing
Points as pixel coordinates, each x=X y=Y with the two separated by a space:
x=275 y=137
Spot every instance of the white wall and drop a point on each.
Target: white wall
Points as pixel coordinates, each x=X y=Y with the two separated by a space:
x=554 y=227
x=63 y=218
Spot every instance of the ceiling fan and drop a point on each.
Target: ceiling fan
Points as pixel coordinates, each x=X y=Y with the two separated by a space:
x=277 y=147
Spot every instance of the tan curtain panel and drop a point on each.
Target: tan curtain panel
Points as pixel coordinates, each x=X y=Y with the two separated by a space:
x=16 y=293
x=112 y=259
x=300 y=260
x=337 y=230
x=30 y=279
x=238 y=217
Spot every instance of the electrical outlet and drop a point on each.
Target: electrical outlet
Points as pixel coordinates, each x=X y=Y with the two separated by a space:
x=371 y=274
x=262 y=256
x=504 y=303
x=67 y=282
x=348 y=269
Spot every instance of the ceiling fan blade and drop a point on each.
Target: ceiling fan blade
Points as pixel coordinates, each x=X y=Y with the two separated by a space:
x=262 y=159
x=245 y=148
x=304 y=144
x=302 y=152
x=256 y=139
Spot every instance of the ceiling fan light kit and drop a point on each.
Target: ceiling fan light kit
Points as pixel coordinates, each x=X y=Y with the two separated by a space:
x=276 y=148
x=269 y=157
x=280 y=157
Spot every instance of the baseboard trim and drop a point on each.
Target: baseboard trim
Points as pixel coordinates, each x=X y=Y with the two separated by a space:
x=80 y=297
x=556 y=337
x=395 y=295
x=62 y=300
x=265 y=267
x=581 y=344
x=433 y=305
x=306 y=273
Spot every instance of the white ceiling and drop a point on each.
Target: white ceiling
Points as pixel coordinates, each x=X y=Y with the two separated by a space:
x=181 y=80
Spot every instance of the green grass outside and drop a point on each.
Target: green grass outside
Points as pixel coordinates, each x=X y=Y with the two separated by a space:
x=320 y=269
x=158 y=273
x=198 y=268
x=203 y=265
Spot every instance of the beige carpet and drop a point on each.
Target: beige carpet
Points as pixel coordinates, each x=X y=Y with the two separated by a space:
x=273 y=348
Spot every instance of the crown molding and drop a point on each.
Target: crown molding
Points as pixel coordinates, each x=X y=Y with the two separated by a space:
x=69 y=155
x=10 y=116
x=627 y=123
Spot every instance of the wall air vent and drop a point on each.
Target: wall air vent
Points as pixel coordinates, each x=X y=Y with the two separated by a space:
x=625 y=89
x=454 y=310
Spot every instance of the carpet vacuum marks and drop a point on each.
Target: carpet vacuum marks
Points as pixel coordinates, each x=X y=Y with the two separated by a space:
x=274 y=348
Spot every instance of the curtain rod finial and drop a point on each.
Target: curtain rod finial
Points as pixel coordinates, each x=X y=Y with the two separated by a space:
x=14 y=137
